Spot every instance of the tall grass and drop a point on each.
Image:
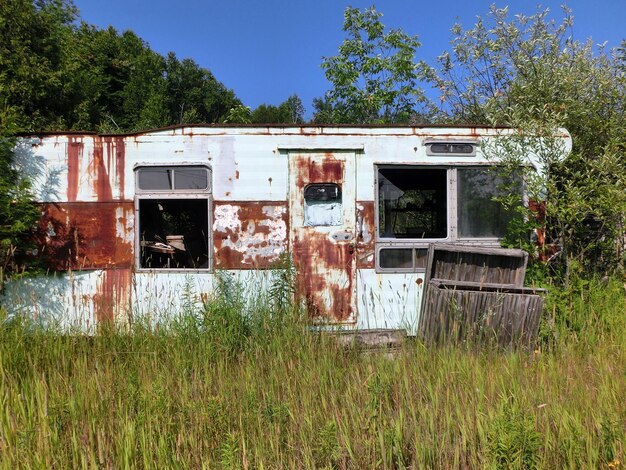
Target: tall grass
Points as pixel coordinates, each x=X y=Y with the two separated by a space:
x=242 y=384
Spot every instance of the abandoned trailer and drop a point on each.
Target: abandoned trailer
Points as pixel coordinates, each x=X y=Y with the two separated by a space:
x=130 y=222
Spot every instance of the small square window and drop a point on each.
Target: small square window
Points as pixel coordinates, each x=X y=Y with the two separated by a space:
x=322 y=205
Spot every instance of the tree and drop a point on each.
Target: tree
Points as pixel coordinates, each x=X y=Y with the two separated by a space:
x=32 y=35
x=291 y=111
x=239 y=114
x=374 y=77
x=529 y=73
x=18 y=214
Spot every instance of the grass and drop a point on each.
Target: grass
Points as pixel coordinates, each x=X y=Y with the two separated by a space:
x=220 y=390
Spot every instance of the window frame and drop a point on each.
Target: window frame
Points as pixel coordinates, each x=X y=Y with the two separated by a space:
x=452 y=213
x=138 y=190
x=174 y=194
x=429 y=152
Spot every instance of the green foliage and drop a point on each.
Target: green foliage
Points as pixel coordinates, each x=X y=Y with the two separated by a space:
x=57 y=75
x=32 y=72
x=291 y=111
x=170 y=396
x=513 y=440
x=528 y=73
x=18 y=214
x=374 y=77
x=239 y=114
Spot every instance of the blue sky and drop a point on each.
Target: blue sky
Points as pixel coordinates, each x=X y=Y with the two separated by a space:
x=267 y=50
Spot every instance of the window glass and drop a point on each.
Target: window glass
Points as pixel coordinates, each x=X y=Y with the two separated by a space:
x=421 y=258
x=452 y=148
x=157 y=178
x=412 y=203
x=173 y=178
x=191 y=178
x=403 y=258
x=479 y=215
x=396 y=258
x=322 y=205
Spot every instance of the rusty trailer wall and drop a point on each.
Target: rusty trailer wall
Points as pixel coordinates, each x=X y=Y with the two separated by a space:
x=129 y=221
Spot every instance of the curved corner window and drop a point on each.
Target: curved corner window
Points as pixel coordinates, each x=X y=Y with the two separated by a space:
x=178 y=178
x=467 y=149
x=323 y=205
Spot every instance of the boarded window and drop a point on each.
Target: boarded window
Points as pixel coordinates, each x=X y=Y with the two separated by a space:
x=412 y=203
x=322 y=204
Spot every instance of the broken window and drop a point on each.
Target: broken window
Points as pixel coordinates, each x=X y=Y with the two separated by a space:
x=322 y=204
x=174 y=230
x=412 y=203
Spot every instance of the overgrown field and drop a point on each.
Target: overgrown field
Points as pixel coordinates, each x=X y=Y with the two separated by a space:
x=221 y=390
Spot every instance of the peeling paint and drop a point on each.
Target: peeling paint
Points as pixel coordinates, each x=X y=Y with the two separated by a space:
x=249 y=235
x=257 y=213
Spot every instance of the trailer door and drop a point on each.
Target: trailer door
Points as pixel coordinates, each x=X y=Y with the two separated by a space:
x=322 y=231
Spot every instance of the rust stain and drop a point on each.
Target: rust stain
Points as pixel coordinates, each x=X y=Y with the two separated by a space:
x=116 y=147
x=365 y=246
x=113 y=294
x=104 y=170
x=545 y=250
x=249 y=235
x=325 y=277
x=75 y=148
x=99 y=173
x=84 y=235
x=312 y=171
x=325 y=267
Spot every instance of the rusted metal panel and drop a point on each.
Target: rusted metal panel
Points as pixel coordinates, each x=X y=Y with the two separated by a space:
x=86 y=235
x=324 y=255
x=86 y=185
x=249 y=234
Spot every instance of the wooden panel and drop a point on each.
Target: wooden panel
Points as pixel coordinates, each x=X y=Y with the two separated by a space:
x=487 y=316
x=505 y=267
x=476 y=294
